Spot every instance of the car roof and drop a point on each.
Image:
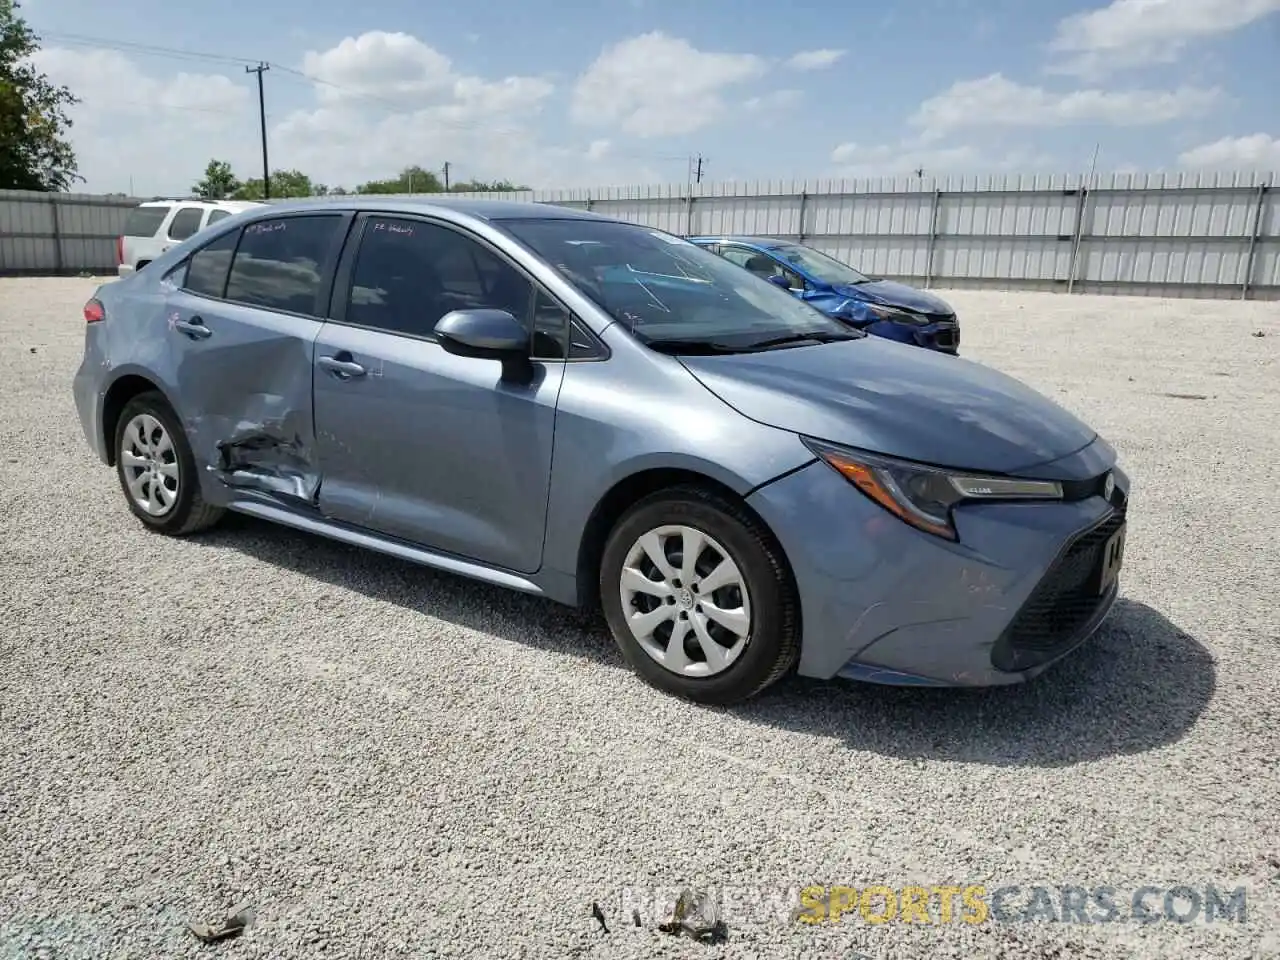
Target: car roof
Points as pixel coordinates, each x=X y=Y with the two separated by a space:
x=201 y=202
x=763 y=243
x=482 y=209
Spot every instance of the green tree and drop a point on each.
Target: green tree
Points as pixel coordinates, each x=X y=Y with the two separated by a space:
x=284 y=183
x=411 y=180
x=34 y=152
x=218 y=183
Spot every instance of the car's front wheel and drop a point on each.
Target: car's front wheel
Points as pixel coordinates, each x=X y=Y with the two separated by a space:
x=157 y=470
x=699 y=598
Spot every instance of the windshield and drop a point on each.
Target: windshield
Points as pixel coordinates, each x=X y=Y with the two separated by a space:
x=818 y=265
x=671 y=293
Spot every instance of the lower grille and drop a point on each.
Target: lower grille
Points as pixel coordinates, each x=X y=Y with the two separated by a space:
x=947 y=337
x=1061 y=604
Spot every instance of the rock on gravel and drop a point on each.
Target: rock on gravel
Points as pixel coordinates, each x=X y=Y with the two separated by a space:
x=390 y=762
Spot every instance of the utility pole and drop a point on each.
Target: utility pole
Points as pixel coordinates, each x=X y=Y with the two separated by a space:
x=446 y=176
x=261 y=68
x=697 y=177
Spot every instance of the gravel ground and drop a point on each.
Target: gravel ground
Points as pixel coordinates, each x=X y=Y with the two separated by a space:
x=389 y=762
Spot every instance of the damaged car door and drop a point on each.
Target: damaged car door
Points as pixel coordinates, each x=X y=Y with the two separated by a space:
x=243 y=321
x=437 y=449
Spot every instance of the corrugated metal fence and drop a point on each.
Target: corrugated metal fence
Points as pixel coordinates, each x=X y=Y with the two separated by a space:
x=1200 y=235
x=59 y=233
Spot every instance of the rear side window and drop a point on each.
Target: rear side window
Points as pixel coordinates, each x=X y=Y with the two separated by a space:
x=207 y=269
x=278 y=264
x=185 y=223
x=218 y=215
x=145 y=221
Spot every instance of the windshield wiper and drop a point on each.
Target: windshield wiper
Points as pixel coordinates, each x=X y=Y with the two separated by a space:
x=703 y=348
x=814 y=336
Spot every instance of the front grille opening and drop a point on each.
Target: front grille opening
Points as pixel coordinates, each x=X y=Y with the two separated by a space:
x=1062 y=603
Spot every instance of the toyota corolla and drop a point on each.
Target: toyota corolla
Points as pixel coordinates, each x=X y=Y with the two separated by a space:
x=606 y=415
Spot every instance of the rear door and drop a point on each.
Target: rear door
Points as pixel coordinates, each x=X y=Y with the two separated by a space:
x=417 y=443
x=242 y=319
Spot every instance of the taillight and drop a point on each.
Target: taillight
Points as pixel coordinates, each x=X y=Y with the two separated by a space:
x=119 y=250
x=94 y=312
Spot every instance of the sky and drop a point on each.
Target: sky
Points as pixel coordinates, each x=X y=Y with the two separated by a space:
x=574 y=93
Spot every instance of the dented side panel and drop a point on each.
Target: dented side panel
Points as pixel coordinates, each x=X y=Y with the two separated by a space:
x=246 y=397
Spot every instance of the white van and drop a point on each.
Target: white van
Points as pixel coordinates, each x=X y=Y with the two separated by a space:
x=156 y=225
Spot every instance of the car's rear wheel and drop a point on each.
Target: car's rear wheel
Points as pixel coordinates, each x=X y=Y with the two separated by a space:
x=156 y=469
x=698 y=597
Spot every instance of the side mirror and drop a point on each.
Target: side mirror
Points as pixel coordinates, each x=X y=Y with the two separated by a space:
x=487 y=335
x=778 y=280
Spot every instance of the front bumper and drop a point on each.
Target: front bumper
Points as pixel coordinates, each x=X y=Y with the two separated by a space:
x=884 y=602
x=941 y=336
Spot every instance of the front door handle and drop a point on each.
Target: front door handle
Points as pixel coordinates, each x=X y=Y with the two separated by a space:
x=341 y=368
x=193 y=328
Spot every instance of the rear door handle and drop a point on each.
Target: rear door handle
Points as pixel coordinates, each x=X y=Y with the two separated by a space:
x=342 y=368
x=193 y=328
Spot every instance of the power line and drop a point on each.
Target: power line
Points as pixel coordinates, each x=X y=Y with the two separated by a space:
x=129 y=46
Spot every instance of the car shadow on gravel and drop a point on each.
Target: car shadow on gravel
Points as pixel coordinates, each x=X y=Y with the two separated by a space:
x=1140 y=683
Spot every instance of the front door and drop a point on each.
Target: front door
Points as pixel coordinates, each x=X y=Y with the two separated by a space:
x=241 y=319
x=414 y=442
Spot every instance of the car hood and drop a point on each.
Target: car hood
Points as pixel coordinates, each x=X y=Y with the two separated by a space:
x=893 y=294
x=897 y=400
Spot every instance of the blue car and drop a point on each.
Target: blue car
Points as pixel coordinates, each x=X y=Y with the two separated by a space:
x=882 y=308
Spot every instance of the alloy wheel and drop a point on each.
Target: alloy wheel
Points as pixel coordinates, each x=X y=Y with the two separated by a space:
x=150 y=463
x=685 y=601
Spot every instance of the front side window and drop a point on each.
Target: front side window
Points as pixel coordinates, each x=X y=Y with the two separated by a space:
x=185 y=223
x=279 y=263
x=762 y=265
x=819 y=265
x=670 y=293
x=409 y=273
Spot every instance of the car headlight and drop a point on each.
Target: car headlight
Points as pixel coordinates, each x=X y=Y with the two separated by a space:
x=925 y=496
x=881 y=312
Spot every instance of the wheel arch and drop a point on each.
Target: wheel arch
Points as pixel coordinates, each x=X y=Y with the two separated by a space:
x=625 y=492
x=127 y=385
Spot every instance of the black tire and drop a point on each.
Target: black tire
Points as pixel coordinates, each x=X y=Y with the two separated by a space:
x=189 y=513
x=773 y=641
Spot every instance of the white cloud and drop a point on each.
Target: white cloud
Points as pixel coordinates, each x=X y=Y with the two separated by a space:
x=401 y=70
x=1257 y=151
x=775 y=100
x=1131 y=33
x=384 y=101
x=855 y=160
x=814 y=59
x=997 y=101
x=654 y=85
x=131 y=125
